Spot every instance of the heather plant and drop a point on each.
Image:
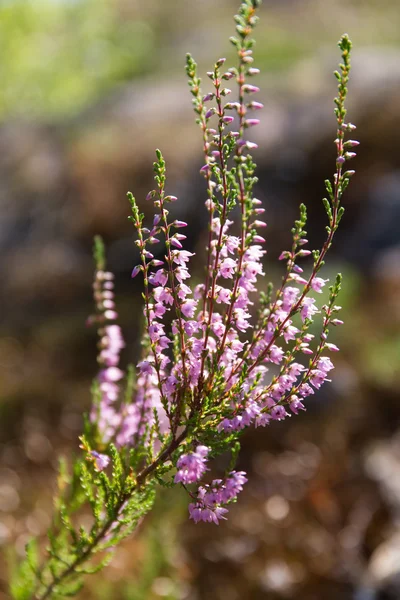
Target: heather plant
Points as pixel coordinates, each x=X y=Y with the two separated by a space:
x=217 y=357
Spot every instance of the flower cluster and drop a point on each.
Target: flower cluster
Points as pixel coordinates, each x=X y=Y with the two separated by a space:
x=210 y=501
x=219 y=356
x=191 y=467
x=111 y=342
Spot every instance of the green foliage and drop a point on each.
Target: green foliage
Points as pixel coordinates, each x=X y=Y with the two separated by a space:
x=23 y=577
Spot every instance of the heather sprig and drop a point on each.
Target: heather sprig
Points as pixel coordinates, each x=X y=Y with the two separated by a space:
x=211 y=364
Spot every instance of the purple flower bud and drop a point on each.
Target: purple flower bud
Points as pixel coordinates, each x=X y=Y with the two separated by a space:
x=208 y=97
x=352 y=143
x=251 y=122
x=332 y=347
x=179 y=224
x=170 y=199
x=151 y=195
x=255 y=105
x=305 y=349
x=220 y=62
x=210 y=113
x=337 y=322
x=258 y=239
x=253 y=71
x=250 y=89
x=340 y=160
x=176 y=242
x=227 y=119
x=227 y=76
x=157 y=263
x=101 y=461
x=136 y=270
x=156 y=220
x=297 y=269
x=349 y=155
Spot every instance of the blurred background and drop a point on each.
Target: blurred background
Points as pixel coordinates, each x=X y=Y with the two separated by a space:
x=89 y=89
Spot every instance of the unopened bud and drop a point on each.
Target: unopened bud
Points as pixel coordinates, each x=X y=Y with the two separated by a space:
x=251 y=122
x=336 y=322
x=208 y=97
x=136 y=270
x=151 y=195
x=179 y=224
x=255 y=105
x=351 y=143
x=250 y=89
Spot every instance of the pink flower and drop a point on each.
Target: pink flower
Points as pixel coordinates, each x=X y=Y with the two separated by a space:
x=180 y=257
x=101 y=460
x=227 y=268
x=188 y=308
x=318 y=283
x=308 y=308
x=159 y=278
x=191 y=466
x=163 y=295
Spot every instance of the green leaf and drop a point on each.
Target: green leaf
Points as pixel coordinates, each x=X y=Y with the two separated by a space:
x=22 y=579
x=70 y=589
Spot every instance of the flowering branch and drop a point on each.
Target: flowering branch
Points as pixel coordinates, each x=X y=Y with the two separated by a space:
x=201 y=379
